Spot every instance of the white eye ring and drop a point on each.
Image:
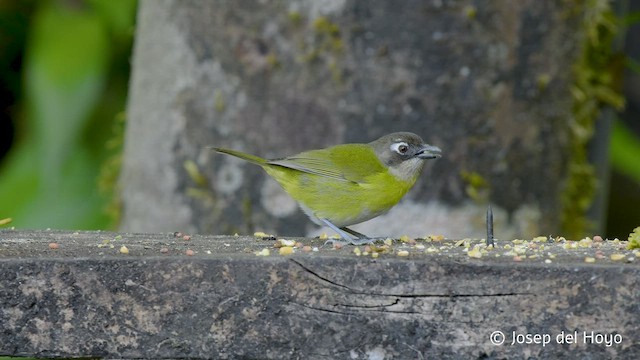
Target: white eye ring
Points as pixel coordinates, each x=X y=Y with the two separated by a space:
x=400 y=147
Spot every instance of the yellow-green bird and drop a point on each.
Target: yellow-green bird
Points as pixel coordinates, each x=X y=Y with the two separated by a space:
x=347 y=184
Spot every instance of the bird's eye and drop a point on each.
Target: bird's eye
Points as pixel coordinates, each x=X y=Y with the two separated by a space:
x=401 y=148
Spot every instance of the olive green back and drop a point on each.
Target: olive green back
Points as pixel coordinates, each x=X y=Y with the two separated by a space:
x=345 y=184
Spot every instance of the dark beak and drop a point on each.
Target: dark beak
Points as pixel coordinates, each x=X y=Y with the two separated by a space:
x=429 y=152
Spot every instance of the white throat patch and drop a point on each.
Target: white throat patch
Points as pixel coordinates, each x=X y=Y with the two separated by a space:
x=407 y=169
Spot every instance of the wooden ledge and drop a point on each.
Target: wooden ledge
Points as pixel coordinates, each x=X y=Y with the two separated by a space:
x=85 y=296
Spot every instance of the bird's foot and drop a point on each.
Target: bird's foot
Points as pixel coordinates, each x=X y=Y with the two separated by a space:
x=356 y=242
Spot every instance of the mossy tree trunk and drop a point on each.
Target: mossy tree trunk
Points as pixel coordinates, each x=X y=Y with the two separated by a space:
x=490 y=85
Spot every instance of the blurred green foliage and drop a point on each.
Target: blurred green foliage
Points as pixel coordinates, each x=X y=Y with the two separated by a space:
x=74 y=79
x=625 y=151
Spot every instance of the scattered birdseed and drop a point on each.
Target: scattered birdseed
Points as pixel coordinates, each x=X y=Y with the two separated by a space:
x=306 y=248
x=164 y=250
x=586 y=242
x=186 y=237
x=547 y=261
x=589 y=259
x=617 y=257
x=284 y=242
x=263 y=252
x=375 y=255
x=53 y=246
x=475 y=252
x=189 y=252
x=263 y=235
x=286 y=250
x=520 y=249
x=403 y=253
x=357 y=251
x=124 y=250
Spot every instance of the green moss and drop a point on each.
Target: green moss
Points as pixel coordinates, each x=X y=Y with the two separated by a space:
x=327 y=47
x=273 y=62
x=110 y=170
x=310 y=56
x=201 y=191
x=634 y=239
x=295 y=17
x=595 y=86
x=194 y=173
x=247 y=212
x=328 y=36
x=322 y=25
x=218 y=101
x=470 y=12
x=477 y=187
x=336 y=72
x=543 y=81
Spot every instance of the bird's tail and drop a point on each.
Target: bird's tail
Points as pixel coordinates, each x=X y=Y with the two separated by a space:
x=244 y=156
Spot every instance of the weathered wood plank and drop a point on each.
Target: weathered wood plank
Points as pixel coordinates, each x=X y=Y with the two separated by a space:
x=87 y=299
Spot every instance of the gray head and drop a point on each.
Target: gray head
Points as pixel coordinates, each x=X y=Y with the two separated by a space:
x=403 y=153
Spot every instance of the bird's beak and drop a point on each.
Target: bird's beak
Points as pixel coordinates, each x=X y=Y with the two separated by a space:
x=429 y=152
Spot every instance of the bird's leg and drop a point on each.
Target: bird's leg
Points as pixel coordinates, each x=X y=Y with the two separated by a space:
x=340 y=232
x=354 y=233
x=363 y=239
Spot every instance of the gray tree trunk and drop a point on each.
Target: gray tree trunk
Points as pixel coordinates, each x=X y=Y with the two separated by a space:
x=489 y=85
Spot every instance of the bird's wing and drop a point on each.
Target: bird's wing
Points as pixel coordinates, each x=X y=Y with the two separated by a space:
x=350 y=163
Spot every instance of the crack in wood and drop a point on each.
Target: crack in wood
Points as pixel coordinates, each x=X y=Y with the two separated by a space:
x=316 y=275
x=425 y=295
x=320 y=309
